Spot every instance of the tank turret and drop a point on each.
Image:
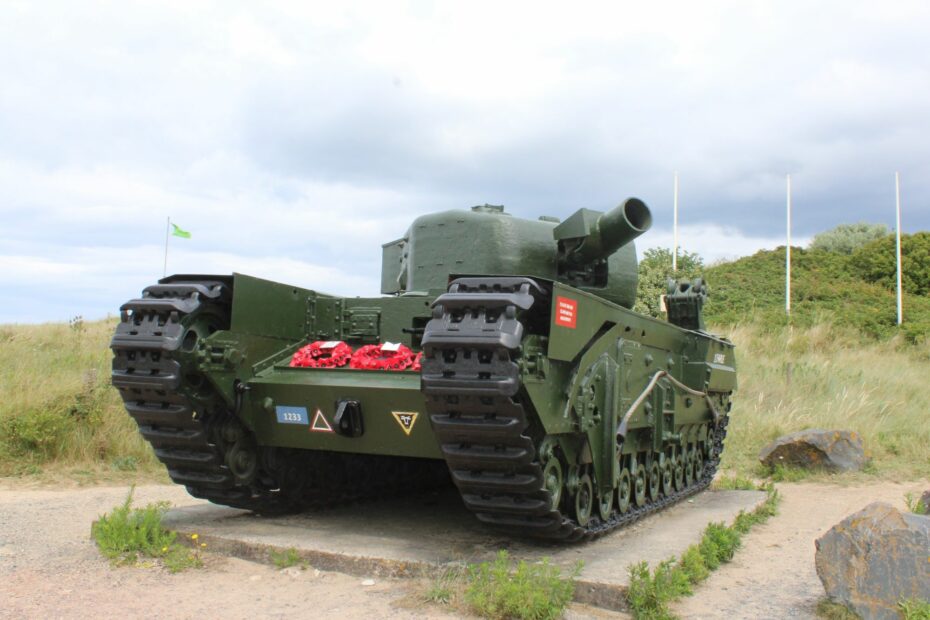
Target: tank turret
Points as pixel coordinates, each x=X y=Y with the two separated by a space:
x=590 y=250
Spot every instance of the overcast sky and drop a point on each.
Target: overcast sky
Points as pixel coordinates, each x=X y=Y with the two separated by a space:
x=294 y=139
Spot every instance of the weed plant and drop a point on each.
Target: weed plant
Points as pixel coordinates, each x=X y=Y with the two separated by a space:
x=912 y=609
x=651 y=592
x=502 y=589
x=127 y=534
x=286 y=558
x=528 y=591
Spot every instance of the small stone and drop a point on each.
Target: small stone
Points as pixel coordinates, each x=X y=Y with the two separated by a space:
x=292 y=571
x=316 y=572
x=874 y=559
x=368 y=582
x=255 y=578
x=817 y=449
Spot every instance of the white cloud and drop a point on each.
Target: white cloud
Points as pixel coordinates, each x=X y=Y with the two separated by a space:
x=293 y=138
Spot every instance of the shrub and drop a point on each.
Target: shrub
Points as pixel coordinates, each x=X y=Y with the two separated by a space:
x=846 y=238
x=528 y=591
x=654 y=271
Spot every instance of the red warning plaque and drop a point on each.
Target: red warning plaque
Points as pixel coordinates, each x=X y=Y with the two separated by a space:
x=566 y=312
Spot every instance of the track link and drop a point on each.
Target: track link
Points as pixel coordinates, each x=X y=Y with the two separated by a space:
x=471 y=381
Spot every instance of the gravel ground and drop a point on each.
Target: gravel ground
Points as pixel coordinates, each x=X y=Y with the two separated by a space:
x=49 y=567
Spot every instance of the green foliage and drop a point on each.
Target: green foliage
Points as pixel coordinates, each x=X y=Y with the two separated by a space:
x=877 y=262
x=847 y=238
x=830 y=610
x=285 y=559
x=913 y=609
x=126 y=534
x=737 y=483
x=38 y=431
x=786 y=473
x=654 y=271
x=529 y=591
x=445 y=588
x=59 y=410
x=826 y=287
x=915 y=505
x=650 y=593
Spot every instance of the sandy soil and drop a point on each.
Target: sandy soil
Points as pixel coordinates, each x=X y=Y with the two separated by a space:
x=50 y=568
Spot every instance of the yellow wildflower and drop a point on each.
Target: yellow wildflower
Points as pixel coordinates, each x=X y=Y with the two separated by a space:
x=194 y=536
x=203 y=544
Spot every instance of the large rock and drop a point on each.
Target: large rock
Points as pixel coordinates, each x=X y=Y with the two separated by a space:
x=815 y=448
x=874 y=559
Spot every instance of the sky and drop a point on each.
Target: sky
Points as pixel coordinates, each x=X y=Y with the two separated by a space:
x=293 y=139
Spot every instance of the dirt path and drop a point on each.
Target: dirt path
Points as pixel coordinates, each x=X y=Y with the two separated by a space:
x=50 y=568
x=773 y=575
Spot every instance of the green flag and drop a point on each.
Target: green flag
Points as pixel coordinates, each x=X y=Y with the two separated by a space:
x=179 y=232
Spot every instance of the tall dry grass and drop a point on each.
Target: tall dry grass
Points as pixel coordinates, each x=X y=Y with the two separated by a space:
x=830 y=377
x=57 y=407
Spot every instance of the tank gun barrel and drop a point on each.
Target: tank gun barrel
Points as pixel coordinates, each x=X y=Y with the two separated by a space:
x=587 y=237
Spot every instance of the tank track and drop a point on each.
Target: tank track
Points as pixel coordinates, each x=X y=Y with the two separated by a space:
x=471 y=379
x=193 y=434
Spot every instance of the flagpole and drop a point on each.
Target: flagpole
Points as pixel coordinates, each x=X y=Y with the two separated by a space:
x=675 y=227
x=897 y=196
x=788 y=253
x=164 y=272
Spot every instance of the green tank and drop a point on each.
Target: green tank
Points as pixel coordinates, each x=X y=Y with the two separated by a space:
x=503 y=354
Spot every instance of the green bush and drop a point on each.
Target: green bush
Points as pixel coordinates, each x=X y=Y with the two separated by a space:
x=39 y=431
x=847 y=238
x=127 y=534
x=877 y=262
x=527 y=591
x=654 y=271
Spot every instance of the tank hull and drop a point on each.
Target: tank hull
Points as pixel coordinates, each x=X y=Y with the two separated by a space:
x=566 y=372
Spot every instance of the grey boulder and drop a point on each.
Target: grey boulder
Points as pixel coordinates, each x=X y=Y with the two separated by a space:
x=817 y=449
x=874 y=559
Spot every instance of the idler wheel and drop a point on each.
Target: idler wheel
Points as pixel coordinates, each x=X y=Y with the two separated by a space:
x=624 y=491
x=639 y=485
x=554 y=480
x=584 y=500
x=655 y=481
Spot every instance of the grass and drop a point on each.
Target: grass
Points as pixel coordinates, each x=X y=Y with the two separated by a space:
x=286 y=558
x=837 y=379
x=914 y=610
x=504 y=589
x=59 y=416
x=651 y=592
x=915 y=505
x=126 y=534
x=830 y=610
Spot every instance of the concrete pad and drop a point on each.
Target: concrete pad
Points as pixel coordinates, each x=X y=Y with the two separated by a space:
x=420 y=535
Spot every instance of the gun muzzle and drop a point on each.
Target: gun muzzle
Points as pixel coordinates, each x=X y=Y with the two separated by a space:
x=611 y=231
